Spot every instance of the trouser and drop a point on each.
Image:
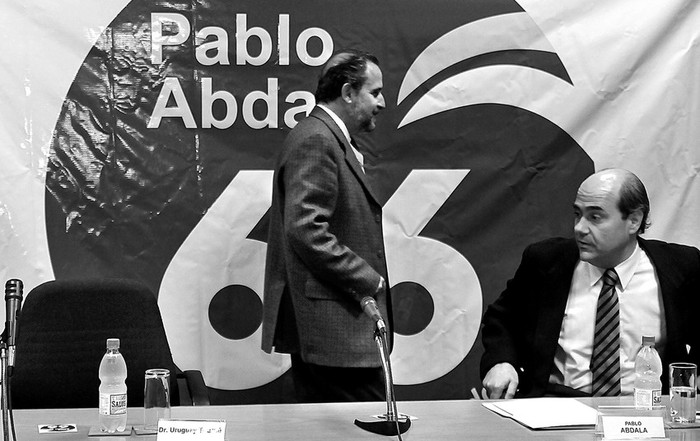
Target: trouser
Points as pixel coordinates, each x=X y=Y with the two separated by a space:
x=327 y=384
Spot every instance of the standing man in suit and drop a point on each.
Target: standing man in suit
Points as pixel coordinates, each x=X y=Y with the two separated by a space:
x=541 y=337
x=325 y=245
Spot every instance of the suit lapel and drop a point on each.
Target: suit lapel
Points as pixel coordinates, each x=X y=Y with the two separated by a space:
x=350 y=157
x=669 y=286
x=556 y=286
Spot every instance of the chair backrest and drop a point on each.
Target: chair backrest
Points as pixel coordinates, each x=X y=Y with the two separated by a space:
x=63 y=328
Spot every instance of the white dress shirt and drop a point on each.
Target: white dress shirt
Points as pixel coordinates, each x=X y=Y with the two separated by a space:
x=343 y=128
x=641 y=313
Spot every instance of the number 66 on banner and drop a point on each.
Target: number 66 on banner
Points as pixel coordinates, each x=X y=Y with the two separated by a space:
x=218 y=256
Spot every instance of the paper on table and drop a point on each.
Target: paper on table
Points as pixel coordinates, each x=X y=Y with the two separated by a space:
x=546 y=413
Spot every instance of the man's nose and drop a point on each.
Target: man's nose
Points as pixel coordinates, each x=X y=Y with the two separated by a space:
x=382 y=103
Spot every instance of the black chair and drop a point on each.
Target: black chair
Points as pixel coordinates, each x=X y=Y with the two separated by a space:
x=63 y=329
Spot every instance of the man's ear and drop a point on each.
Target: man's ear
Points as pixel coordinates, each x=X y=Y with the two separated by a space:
x=635 y=219
x=346 y=93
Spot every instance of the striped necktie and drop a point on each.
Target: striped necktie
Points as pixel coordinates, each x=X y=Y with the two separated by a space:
x=605 y=362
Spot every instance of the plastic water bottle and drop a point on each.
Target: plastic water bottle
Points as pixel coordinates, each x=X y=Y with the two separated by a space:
x=112 y=389
x=647 y=382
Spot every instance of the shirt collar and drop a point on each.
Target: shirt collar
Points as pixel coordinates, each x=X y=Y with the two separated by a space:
x=343 y=128
x=338 y=121
x=624 y=270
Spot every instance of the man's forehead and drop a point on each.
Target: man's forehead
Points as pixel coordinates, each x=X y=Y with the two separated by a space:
x=374 y=76
x=595 y=198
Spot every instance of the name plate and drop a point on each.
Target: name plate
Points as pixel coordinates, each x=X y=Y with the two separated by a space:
x=633 y=427
x=181 y=430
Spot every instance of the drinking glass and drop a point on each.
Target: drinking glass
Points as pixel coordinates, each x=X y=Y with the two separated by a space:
x=156 y=397
x=681 y=377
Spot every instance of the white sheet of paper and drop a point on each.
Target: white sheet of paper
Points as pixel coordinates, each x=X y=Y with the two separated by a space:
x=546 y=413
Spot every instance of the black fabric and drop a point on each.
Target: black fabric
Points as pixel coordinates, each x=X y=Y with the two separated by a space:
x=63 y=329
x=327 y=384
x=559 y=390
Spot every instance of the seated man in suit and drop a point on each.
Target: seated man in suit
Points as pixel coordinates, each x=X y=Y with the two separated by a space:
x=540 y=336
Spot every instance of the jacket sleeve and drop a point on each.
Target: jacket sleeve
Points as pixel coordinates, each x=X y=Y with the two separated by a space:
x=323 y=210
x=507 y=322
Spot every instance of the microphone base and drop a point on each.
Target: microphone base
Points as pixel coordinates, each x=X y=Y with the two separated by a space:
x=382 y=425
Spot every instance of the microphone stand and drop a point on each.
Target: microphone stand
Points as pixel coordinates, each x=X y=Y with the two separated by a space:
x=8 y=422
x=13 y=300
x=390 y=423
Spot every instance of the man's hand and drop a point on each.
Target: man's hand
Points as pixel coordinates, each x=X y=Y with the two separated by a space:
x=501 y=381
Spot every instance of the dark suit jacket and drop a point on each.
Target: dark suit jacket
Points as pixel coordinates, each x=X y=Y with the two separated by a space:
x=325 y=251
x=522 y=327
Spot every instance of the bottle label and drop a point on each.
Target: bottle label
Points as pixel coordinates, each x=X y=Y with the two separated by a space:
x=112 y=404
x=646 y=398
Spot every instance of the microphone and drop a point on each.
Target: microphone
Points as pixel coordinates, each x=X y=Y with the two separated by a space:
x=13 y=301
x=369 y=306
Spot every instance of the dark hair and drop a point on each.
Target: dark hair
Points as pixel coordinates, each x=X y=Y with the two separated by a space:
x=633 y=197
x=347 y=66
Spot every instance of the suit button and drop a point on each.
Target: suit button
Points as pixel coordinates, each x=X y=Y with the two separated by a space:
x=379 y=254
x=378 y=218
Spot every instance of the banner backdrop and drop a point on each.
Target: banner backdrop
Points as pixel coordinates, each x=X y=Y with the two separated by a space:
x=138 y=140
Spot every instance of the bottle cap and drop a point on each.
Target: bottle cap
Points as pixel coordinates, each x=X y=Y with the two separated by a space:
x=112 y=343
x=648 y=340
